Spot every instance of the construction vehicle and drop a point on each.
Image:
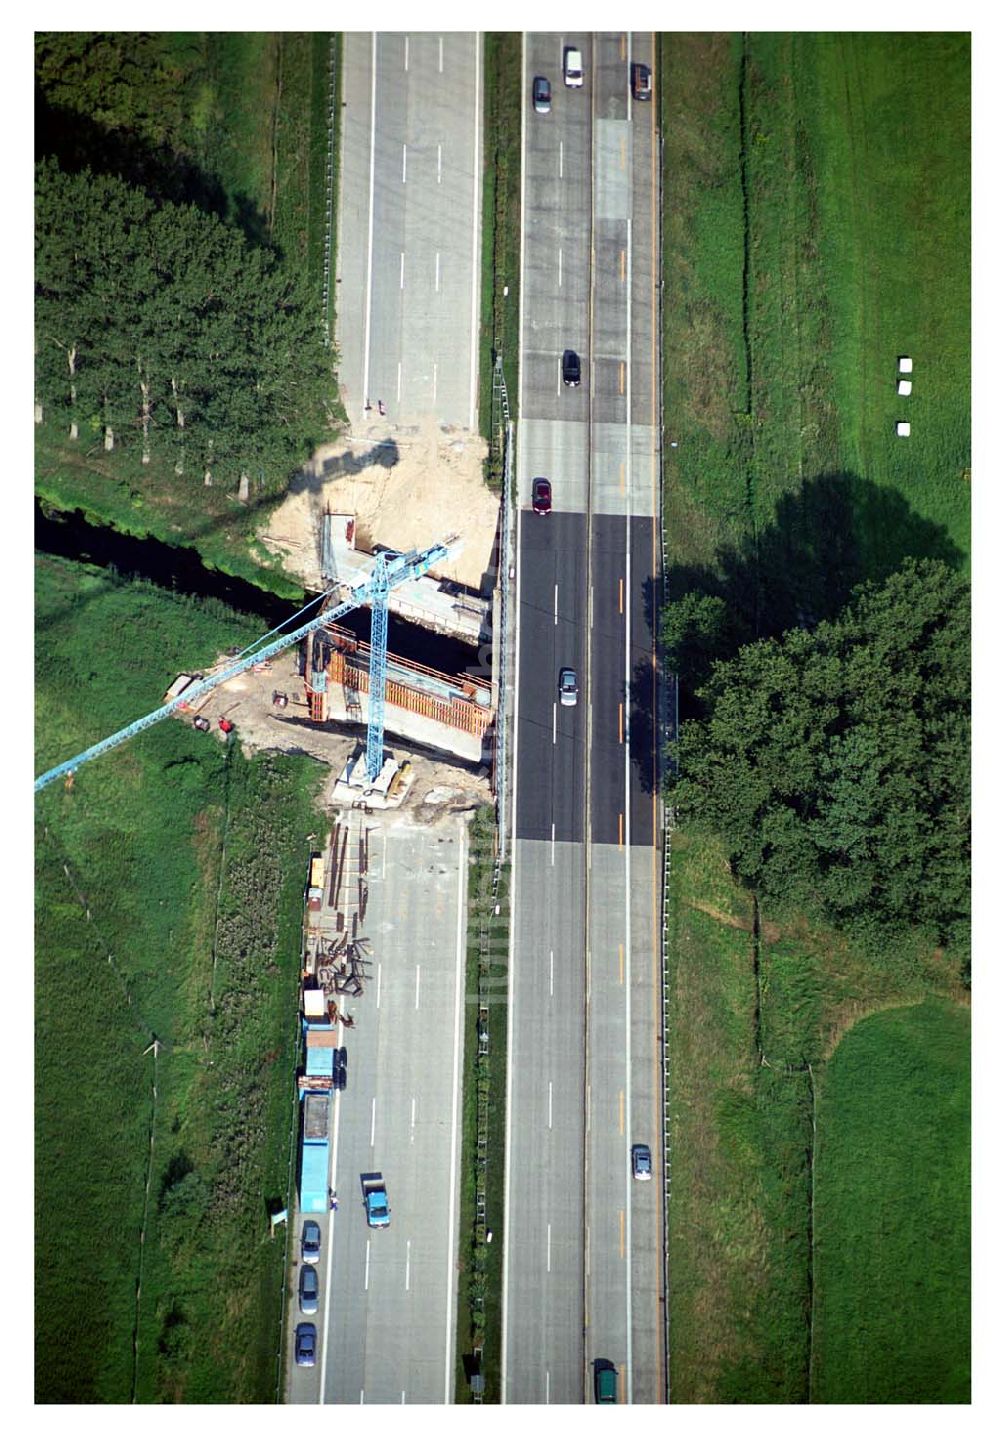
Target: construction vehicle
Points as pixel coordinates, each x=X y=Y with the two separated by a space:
x=314 y=893
x=314 y=1185
x=376 y=1201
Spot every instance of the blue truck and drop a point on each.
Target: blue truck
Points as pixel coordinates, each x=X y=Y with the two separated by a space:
x=315 y=1084
x=376 y=1201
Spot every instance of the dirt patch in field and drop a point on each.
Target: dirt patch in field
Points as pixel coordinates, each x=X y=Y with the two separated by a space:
x=407 y=489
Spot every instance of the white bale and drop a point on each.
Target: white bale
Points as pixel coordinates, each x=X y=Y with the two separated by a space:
x=902 y=427
x=905 y=365
x=904 y=387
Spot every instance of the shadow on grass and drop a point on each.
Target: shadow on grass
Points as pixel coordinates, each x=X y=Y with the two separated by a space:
x=835 y=533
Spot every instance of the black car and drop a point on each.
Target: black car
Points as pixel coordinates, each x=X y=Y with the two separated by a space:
x=340 y=1069
x=642 y=82
x=311 y=1240
x=541 y=95
x=305 y=1345
x=571 y=367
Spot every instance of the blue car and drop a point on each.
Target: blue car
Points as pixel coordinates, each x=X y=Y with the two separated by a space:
x=305 y=1345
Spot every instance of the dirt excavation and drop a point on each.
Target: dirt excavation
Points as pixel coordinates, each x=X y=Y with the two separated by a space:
x=406 y=488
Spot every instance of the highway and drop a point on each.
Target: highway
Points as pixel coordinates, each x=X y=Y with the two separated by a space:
x=583 y=1244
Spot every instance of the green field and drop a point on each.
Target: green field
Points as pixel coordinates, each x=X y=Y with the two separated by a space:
x=809 y=239
x=184 y=866
x=810 y=236
x=893 y=1267
x=235 y=123
x=501 y=230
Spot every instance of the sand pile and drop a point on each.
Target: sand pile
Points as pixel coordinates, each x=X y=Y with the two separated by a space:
x=406 y=489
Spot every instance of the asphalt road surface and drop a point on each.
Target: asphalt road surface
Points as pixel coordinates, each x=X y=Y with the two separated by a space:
x=583 y=1251
x=408 y=227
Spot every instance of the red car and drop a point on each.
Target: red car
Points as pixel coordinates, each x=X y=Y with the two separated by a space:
x=541 y=496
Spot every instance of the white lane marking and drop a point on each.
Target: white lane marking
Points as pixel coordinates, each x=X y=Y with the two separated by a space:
x=437 y=269
x=378 y=988
x=372 y=1140
x=416 y=1002
x=560 y=265
x=553 y=721
x=441 y=56
x=551 y=969
x=402 y=267
x=362 y=1399
x=586 y=1249
x=371 y=230
x=555 y=604
x=553 y=841
x=474 y=322
x=403 y=1399
x=439 y=164
x=368 y=1255
x=546 y=1386
x=404 y=162
x=406 y=66
x=407 y=1264
x=451 y=1256
x=560 y=158
x=413 y=1114
x=550 y=1103
x=548 y=1248
x=399 y=379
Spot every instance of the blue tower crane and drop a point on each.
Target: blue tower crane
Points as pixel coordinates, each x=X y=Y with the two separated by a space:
x=388 y=573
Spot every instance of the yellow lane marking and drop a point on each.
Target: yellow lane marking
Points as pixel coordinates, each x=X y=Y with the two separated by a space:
x=621 y=264
x=621 y=722
x=621 y=377
x=621 y=830
x=621 y=595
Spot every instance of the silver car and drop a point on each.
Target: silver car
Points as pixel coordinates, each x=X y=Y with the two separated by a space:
x=308 y=1289
x=642 y=1162
x=568 y=687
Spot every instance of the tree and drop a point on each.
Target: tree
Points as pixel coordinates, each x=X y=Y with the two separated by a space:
x=835 y=762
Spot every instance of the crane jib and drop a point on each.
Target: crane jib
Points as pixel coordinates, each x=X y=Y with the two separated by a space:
x=401 y=567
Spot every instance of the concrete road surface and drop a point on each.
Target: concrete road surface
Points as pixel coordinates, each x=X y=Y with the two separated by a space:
x=387 y=1296
x=407 y=290
x=583 y=1250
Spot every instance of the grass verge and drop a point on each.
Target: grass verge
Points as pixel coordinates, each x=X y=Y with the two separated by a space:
x=480 y=1281
x=501 y=228
x=182 y=861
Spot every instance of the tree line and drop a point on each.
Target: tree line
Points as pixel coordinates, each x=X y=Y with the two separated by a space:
x=160 y=330
x=835 y=761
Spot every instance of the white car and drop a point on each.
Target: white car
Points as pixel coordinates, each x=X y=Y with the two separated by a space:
x=572 y=67
x=568 y=688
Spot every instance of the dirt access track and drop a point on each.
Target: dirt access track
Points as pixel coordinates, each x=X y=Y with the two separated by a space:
x=407 y=489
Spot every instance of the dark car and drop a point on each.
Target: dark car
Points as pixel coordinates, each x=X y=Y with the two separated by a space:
x=340 y=1069
x=642 y=82
x=305 y=1345
x=308 y=1289
x=541 y=496
x=605 y=1382
x=571 y=367
x=642 y=1162
x=541 y=95
x=311 y=1240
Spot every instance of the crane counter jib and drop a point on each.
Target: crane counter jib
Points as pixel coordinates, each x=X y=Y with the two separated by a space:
x=402 y=567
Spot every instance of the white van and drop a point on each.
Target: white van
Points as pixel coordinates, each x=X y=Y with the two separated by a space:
x=572 y=67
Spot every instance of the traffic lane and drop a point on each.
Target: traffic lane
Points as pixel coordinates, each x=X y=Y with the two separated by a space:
x=609 y=714
x=544 y=1256
x=551 y=614
x=644 y=613
x=646 y=1109
x=557 y=452
x=611 y=74
x=610 y=1105
x=645 y=247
